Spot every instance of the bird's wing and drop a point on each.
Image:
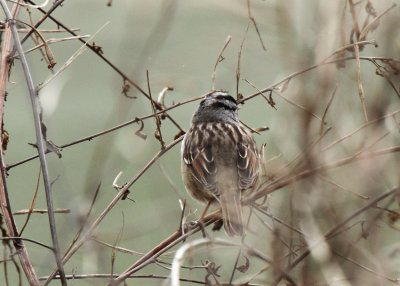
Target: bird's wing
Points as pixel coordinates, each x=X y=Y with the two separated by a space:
x=200 y=159
x=247 y=163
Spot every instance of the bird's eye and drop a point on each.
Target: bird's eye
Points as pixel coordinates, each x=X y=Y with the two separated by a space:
x=202 y=102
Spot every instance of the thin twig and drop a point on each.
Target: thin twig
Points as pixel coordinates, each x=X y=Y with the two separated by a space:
x=44 y=4
x=43 y=31
x=47 y=51
x=271 y=103
x=53 y=41
x=255 y=25
x=270 y=228
x=238 y=63
x=94 y=49
x=51 y=10
x=171 y=182
x=166 y=244
x=108 y=276
x=27 y=239
x=342 y=34
x=359 y=82
x=274 y=218
x=303 y=152
x=39 y=137
x=365 y=31
x=380 y=70
x=327 y=180
x=117 y=241
x=180 y=256
x=219 y=58
x=157 y=119
x=85 y=219
x=32 y=202
x=74 y=56
x=120 y=249
x=393 y=280
x=35 y=38
x=354 y=15
x=307 y=173
x=276 y=84
x=342 y=49
x=19 y=245
x=321 y=128
x=41 y=211
x=360 y=128
x=90 y=137
x=337 y=228
x=98 y=52
x=120 y=194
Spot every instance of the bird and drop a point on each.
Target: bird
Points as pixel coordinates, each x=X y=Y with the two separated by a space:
x=220 y=161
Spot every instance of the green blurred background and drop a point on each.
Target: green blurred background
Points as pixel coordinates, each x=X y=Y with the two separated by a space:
x=178 y=43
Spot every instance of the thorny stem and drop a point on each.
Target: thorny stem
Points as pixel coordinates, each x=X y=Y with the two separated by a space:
x=278 y=83
x=150 y=260
x=39 y=137
x=260 y=92
x=27 y=239
x=56 y=4
x=4 y=199
x=95 y=49
x=162 y=247
x=120 y=194
x=108 y=275
x=90 y=137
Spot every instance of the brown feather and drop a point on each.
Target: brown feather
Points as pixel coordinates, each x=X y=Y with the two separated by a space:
x=220 y=162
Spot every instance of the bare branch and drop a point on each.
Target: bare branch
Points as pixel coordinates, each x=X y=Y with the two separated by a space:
x=337 y=227
x=39 y=138
x=321 y=128
x=219 y=59
x=371 y=25
x=120 y=194
x=360 y=86
x=255 y=24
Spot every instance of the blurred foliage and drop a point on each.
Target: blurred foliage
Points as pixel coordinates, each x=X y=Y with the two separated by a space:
x=178 y=43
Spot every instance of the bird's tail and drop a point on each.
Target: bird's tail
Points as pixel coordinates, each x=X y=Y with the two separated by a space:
x=231 y=205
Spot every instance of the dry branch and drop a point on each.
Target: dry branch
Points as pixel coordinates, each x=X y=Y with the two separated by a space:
x=120 y=194
x=39 y=137
x=288 y=238
x=19 y=245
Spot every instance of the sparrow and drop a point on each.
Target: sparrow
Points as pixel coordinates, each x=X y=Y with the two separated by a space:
x=220 y=160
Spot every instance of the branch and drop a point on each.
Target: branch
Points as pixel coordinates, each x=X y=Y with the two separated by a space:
x=90 y=137
x=95 y=49
x=4 y=199
x=120 y=194
x=56 y=4
x=180 y=256
x=166 y=244
x=310 y=172
x=219 y=59
x=359 y=82
x=39 y=137
x=337 y=227
x=370 y=26
x=108 y=276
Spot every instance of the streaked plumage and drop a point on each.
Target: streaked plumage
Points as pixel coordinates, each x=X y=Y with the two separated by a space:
x=220 y=161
